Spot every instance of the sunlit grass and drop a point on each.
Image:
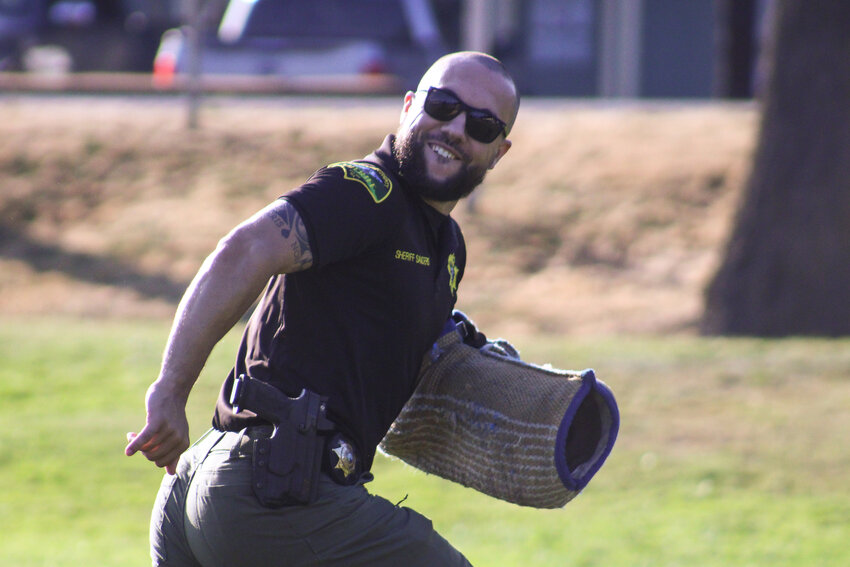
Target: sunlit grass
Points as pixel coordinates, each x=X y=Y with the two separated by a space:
x=731 y=452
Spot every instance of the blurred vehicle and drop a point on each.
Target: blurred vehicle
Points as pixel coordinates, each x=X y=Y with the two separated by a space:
x=82 y=35
x=19 y=21
x=309 y=38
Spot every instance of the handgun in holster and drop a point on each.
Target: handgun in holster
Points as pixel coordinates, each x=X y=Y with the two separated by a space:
x=285 y=466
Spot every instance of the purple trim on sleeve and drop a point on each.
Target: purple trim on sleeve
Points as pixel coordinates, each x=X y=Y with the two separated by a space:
x=589 y=386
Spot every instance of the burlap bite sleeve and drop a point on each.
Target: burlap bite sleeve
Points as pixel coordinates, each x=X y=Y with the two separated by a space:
x=527 y=434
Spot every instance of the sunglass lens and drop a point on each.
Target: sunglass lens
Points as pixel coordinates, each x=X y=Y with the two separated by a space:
x=483 y=128
x=442 y=105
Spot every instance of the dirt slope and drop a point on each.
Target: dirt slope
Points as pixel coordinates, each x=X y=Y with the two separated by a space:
x=601 y=218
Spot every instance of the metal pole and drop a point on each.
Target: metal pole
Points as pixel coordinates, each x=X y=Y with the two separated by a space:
x=193 y=32
x=622 y=36
x=478 y=22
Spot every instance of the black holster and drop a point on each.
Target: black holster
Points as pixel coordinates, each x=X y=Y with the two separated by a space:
x=286 y=465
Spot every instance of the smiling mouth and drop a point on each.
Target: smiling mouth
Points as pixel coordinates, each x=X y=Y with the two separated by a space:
x=443 y=152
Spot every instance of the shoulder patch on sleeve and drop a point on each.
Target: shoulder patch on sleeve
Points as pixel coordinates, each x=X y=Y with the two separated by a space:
x=376 y=182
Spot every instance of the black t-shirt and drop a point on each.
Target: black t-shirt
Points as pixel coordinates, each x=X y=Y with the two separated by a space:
x=355 y=326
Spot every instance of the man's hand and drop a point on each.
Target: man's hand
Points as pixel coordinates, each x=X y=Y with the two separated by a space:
x=166 y=432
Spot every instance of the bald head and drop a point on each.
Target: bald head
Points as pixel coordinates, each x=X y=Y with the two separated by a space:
x=456 y=62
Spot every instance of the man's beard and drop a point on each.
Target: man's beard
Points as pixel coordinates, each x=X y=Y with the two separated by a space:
x=409 y=152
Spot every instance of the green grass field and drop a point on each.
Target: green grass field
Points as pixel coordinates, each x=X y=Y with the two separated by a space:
x=731 y=452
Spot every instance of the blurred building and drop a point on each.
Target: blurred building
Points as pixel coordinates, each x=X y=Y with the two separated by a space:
x=623 y=48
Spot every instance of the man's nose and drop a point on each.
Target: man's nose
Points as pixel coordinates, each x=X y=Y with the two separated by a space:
x=456 y=126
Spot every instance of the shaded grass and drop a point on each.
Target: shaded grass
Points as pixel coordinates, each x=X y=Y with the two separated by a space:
x=732 y=452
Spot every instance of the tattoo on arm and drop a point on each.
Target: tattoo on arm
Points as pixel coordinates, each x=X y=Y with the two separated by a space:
x=292 y=228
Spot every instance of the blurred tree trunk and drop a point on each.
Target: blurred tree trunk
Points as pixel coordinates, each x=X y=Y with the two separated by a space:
x=787 y=264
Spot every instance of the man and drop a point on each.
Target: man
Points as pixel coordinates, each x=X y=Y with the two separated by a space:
x=360 y=267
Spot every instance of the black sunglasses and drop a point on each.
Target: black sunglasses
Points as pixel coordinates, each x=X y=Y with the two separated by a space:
x=481 y=125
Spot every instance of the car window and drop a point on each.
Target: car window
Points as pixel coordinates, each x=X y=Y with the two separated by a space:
x=381 y=20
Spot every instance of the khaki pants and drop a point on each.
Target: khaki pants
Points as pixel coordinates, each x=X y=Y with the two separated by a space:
x=206 y=515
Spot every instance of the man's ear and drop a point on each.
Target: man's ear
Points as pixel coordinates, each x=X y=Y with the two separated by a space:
x=408 y=101
x=503 y=149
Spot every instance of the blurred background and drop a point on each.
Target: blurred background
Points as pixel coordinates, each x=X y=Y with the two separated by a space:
x=579 y=48
x=674 y=212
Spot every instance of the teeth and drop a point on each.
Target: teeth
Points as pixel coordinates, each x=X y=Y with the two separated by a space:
x=440 y=151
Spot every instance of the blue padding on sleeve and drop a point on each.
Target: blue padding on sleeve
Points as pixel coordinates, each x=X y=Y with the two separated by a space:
x=448 y=327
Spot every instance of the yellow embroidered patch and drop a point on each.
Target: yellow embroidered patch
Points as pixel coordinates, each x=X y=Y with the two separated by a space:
x=370 y=176
x=452 y=267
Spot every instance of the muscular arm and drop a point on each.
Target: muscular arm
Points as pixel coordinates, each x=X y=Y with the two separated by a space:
x=273 y=241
